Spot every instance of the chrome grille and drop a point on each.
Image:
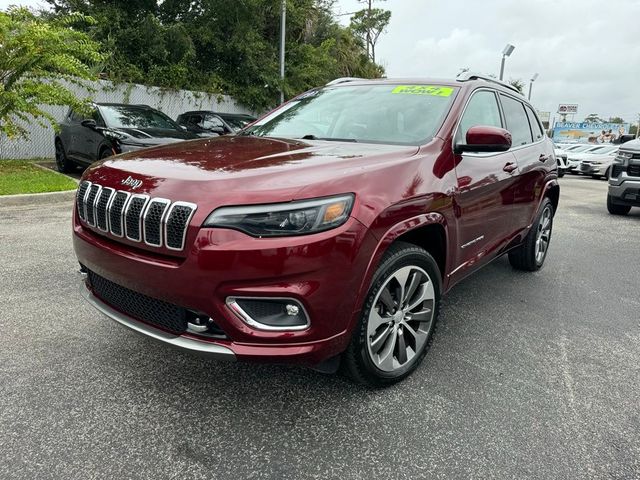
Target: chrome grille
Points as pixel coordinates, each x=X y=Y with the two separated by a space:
x=133 y=216
x=156 y=221
x=90 y=212
x=175 y=227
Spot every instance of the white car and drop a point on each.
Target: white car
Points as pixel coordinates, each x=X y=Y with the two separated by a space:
x=561 y=158
x=576 y=155
x=598 y=164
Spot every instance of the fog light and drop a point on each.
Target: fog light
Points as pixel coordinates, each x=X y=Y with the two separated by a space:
x=266 y=313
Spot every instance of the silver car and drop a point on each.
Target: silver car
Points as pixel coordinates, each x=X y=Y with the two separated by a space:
x=624 y=181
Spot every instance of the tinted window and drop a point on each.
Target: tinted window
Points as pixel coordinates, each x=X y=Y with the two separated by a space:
x=517 y=121
x=212 y=121
x=482 y=109
x=125 y=116
x=536 y=129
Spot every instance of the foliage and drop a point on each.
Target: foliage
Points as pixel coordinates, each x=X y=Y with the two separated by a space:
x=223 y=46
x=593 y=118
x=616 y=120
x=23 y=176
x=35 y=57
x=518 y=84
x=369 y=24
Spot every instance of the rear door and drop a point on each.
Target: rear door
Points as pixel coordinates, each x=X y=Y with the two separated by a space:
x=533 y=154
x=484 y=201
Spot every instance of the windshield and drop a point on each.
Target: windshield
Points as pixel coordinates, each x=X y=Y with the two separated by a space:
x=136 y=117
x=392 y=114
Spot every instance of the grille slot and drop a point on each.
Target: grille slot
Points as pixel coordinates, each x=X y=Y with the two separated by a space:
x=80 y=199
x=176 y=224
x=115 y=213
x=90 y=203
x=616 y=170
x=141 y=307
x=133 y=216
x=633 y=170
x=153 y=217
x=101 y=208
x=137 y=217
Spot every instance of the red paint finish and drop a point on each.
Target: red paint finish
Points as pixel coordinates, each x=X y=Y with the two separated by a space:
x=481 y=209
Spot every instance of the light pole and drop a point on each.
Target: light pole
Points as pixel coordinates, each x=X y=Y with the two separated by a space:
x=505 y=53
x=533 y=79
x=283 y=31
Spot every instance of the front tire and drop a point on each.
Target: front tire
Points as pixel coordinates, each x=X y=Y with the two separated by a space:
x=615 y=209
x=530 y=256
x=398 y=318
x=63 y=164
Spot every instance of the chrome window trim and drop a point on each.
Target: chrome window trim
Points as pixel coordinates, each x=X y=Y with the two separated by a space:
x=239 y=312
x=193 y=207
x=93 y=205
x=111 y=195
x=126 y=212
x=167 y=204
x=82 y=202
x=126 y=202
x=504 y=123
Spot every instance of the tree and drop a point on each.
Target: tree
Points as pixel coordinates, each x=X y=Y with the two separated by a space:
x=616 y=120
x=518 y=84
x=222 y=46
x=36 y=57
x=369 y=24
x=593 y=118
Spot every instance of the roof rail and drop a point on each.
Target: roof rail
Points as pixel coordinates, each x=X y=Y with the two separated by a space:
x=466 y=76
x=343 y=80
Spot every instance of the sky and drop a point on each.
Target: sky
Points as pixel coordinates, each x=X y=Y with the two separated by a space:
x=586 y=52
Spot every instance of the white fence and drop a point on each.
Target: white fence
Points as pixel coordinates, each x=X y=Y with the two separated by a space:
x=171 y=102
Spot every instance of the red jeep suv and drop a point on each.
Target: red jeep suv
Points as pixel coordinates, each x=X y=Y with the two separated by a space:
x=326 y=233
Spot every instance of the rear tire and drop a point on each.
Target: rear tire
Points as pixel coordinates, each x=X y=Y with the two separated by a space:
x=530 y=256
x=615 y=209
x=63 y=164
x=560 y=173
x=398 y=319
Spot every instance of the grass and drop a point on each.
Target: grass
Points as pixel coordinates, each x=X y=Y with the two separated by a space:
x=23 y=176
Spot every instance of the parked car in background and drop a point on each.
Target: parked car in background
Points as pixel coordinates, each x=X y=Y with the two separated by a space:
x=328 y=231
x=598 y=164
x=561 y=159
x=624 y=181
x=576 y=155
x=206 y=123
x=113 y=128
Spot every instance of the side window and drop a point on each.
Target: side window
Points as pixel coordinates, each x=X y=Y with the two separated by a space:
x=536 y=129
x=517 y=121
x=75 y=117
x=98 y=118
x=195 y=120
x=212 y=121
x=482 y=109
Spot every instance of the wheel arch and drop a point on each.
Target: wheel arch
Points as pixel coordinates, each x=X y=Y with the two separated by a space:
x=552 y=192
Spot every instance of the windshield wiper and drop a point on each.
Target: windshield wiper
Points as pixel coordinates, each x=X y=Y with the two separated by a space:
x=328 y=139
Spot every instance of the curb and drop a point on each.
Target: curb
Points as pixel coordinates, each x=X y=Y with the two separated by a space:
x=37 y=198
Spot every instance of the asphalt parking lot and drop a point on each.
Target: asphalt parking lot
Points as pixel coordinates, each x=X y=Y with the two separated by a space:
x=530 y=376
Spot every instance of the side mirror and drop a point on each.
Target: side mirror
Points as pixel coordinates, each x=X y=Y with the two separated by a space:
x=483 y=138
x=89 y=123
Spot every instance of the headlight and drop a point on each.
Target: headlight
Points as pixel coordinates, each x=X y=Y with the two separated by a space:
x=114 y=134
x=283 y=219
x=623 y=157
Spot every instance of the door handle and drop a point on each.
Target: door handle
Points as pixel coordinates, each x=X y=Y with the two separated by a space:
x=543 y=158
x=510 y=167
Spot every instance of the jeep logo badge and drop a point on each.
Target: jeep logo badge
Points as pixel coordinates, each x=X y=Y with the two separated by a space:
x=132 y=182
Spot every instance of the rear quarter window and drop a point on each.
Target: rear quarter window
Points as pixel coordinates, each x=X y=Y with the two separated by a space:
x=536 y=128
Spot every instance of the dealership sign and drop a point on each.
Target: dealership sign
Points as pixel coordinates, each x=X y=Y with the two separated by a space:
x=565 y=108
x=583 y=132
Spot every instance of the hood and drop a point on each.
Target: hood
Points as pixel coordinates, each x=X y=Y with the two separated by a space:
x=631 y=146
x=244 y=169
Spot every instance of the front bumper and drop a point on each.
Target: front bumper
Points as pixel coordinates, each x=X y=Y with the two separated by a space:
x=209 y=349
x=625 y=192
x=322 y=271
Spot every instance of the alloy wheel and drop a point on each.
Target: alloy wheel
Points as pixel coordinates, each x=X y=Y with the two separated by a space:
x=543 y=236
x=400 y=318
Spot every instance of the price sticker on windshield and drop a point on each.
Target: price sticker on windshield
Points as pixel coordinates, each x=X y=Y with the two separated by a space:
x=432 y=90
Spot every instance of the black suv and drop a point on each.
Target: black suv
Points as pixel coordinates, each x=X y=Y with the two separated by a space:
x=113 y=128
x=208 y=123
